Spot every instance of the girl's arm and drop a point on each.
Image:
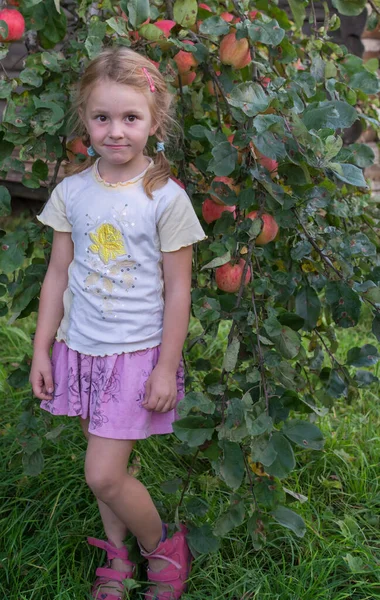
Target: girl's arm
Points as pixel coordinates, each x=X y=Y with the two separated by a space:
x=161 y=388
x=50 y=313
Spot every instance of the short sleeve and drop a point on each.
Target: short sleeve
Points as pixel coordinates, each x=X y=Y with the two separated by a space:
x=54 y=211
x=178 y=225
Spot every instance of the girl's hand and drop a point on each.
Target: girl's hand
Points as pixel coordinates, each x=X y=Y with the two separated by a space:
x=41 y=376
x=161 y=390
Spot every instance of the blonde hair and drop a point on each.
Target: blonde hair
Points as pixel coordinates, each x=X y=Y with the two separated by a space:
x=122 y=65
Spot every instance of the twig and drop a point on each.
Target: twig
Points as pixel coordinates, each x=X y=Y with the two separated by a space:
x=316 y=247
x=374 y=7
x=332 y=357
x=169 y=9
x=188 y=477
x=261 y=356
x=56 y=168
x=217 y=105
x=251 y=484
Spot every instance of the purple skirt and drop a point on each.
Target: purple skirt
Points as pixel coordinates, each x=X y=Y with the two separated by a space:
x=109 y=390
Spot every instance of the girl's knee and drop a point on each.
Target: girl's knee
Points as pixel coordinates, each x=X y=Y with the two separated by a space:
x=103 y=482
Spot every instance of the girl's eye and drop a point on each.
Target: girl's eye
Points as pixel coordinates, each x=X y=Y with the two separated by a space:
x=131 y=118
x=101 y=118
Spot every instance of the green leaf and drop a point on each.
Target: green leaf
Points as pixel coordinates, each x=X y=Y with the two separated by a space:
x=197 y=506
x=330 y=114
x=231 y=355
x=218 y=261
x=304 y=434
x=5 y=88
x=262 y=450
x=214 y=26
x=269 y=33
x=308 y=306
x=12 y=251
x=40 y=169
x=50 y=61
x=231 y=465
x=268 y=492
x=138 y=12
x=366 y=82
x=33 y=463
x=287 y=342
x=151 y=32
x=185 y=12
x=4 y=31
x=365 y=378
x=349 y=174
x=366 y=356
x=232 y=518
x=30 y=181
x=298 y=11
x=349 y=8
x=250 y=98
x=30 y=77
x=284 y=462
x=201 y=540
x=289 y=519
x=195 y=400
x=362 y=155
x=194 y=430
x=300 y=250
x=5 y=202
x=118 y=25
x=344 y=302
x=224 y=161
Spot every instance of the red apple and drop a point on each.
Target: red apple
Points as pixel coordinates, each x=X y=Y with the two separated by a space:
x=74 y=147
x=269 y=230
x=212 y=211
x=16 y=24
x=185 y=60
x=186 y=79
x=234 y=52
x=228 y=277
x=205 y=7
x=165 y=25
x=227 y=17
x=227 y=181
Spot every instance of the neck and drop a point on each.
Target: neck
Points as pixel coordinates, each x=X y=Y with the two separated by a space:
x=123 y=172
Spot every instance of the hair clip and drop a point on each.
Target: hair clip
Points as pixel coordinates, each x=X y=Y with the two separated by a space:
x=149 y=78
x=160 y=147
x=91 y=151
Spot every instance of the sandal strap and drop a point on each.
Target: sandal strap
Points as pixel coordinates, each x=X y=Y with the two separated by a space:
x=110 y=548
x=112 y=574
x=166 y=575
x=176 y=564
x=104 y=595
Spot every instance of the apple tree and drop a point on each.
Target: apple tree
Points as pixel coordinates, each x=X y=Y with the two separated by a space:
x=292 y=248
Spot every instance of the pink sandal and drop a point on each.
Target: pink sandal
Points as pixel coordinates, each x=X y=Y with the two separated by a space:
x=177 y=553
x=106 y=574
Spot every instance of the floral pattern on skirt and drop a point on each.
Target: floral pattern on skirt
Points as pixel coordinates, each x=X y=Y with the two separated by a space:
x=109 y=390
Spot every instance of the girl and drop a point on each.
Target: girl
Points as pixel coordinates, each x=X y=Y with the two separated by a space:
x=116 y=299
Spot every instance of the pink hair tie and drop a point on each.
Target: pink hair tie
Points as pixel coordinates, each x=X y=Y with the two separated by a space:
x=149 y=78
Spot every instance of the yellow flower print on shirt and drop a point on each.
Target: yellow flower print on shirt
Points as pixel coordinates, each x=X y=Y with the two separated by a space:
x=108 y=242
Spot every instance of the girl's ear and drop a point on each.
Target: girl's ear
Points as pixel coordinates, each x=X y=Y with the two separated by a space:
x=153 y=129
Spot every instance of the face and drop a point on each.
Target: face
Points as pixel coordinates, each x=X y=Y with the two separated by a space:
x=119 y=122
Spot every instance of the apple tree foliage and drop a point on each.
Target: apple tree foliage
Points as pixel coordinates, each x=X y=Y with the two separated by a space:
x=251 y=410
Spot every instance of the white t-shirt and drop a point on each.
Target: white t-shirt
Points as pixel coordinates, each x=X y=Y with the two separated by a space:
x=114 y=301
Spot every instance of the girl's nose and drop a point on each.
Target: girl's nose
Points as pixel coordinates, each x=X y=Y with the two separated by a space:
x=115 y=131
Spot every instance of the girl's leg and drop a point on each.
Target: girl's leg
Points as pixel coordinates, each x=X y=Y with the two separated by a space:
x=125 y=496
x=114 y=528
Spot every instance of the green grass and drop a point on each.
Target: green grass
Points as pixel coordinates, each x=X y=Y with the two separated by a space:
x=44 y=520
